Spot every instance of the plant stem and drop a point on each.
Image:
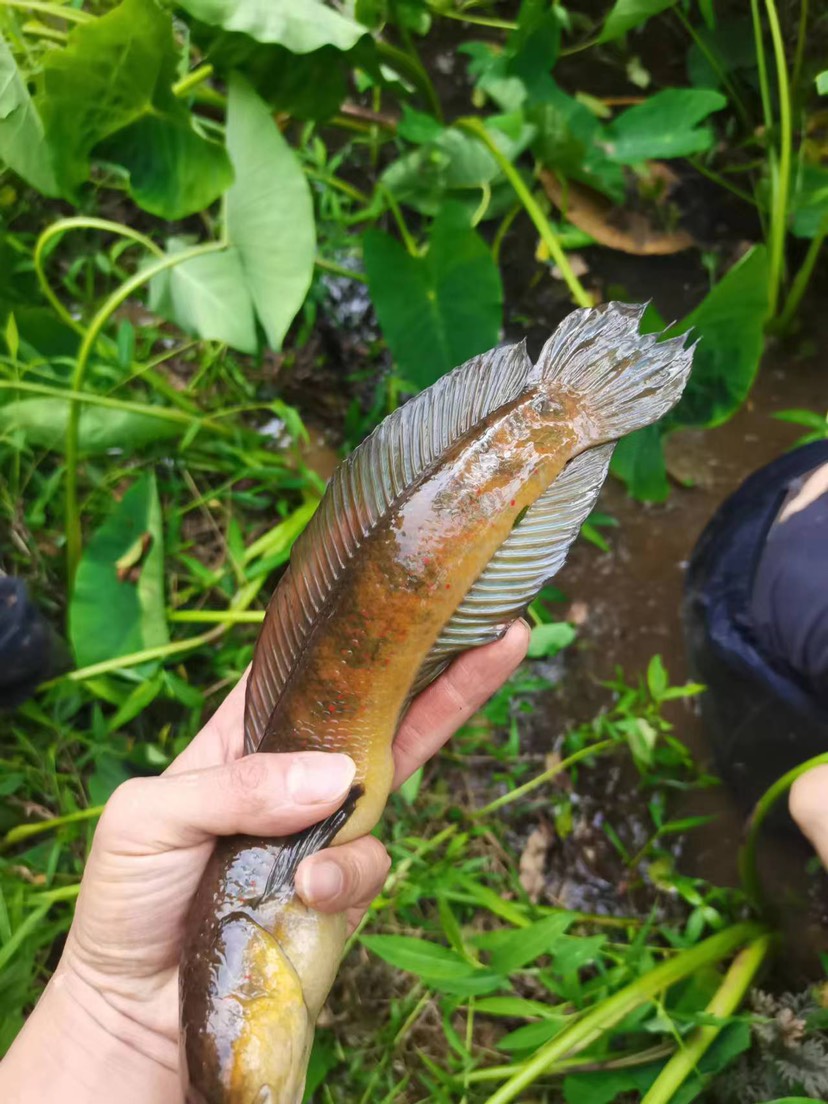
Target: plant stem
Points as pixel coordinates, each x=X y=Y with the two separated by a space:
x=217 y=617
x=799 y=54
x=87 y=398
x=779 y=211
x=477 y=20
x=59 y=11
x=722 y=182
x=748 y=867
x=120 y=295
x=405 y=233
x=802 y=278
x=762 y=66
x=340 y=270
x=63 y=226
x=726 y=1000
x=192 y=80
x=546 y=776
x=598 y=1020
x=30 y=924
x=578 y=1065
x=550 y=239
x=411 y=66
x=25 y=831
x=716 y=66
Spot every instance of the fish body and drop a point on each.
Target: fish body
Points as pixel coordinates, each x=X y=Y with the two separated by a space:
x=432 y=537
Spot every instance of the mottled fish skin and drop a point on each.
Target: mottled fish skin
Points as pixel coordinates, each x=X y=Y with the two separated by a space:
x=388 y=583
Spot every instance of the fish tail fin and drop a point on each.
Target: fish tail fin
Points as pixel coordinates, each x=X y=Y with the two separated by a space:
x=627 y=379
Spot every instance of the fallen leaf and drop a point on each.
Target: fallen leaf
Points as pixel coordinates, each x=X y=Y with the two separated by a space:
x=533 y=862
x=626 y=230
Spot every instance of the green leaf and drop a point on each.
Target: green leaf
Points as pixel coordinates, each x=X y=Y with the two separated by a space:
x=517 y=948
x=548 y=640
x=438 y=310
x=729 y=323
x=627 y=14
x=515 y=1007
x=23 y=145
x=117 y=606
x=809 y=202
x=604 y=1086
x=657 y=678
x=207 y=296
x=664 y=126
x=299 y=25
x=107 y=776
x=571 y=140
x=531 y=1036
x=822 y=82
x=108 y=93
x=269 y=212
x=638 y=461
x=42 y=422
x=173 y=170
x=431 y=961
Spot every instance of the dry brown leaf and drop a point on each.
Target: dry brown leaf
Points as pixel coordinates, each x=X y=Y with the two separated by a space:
x=533 y=862
x=616 y=227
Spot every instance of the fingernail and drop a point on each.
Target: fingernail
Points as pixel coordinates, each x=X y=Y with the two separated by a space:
x=315 y=779
x=323 y=881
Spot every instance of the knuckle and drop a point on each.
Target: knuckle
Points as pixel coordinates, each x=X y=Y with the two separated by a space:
x=123 y=807
x=249 y=776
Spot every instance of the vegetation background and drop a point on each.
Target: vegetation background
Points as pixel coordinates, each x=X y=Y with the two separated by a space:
x=234 y=234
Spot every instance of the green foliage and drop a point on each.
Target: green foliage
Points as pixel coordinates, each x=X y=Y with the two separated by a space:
x=436 y=310
x=625 y=15
x=665 y=125
x=22 y=136
x=118 y=603
x=301 y=26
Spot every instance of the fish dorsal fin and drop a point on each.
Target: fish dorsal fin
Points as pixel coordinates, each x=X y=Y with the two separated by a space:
x=361 y=491
x=532 y=553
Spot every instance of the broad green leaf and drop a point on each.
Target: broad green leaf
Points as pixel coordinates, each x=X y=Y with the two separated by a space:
x=23 y=145
x=519 y=72
x=729 y=323
x=431 y=961
x=299 y=25
x=664 y=126
x=269 y=213
x=605 y=1086
x=730 y=44
x=531 y=1036
x=809 y=201
x=638 y=461
x=107 y=776
x=42 y=423
x=822 y=82
x=455 y=165
x=207 y=296
x=438 y=310
x=108 y=93
x=627 y=14
x=573 y=142
x=517 y=948
x=117 y=606
x=548 y=640
x=173 y=170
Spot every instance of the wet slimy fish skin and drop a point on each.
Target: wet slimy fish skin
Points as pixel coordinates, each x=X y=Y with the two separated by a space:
x=432 y=538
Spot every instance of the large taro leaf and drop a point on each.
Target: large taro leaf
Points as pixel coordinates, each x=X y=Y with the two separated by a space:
x=108 y=94
x=627 y=14
x=638 y=461
x=729 y=323
x=23 y=145
x=269 y=213
x=207 y=296
x=118 y=602
x=268 y=264
x=665 y=125
x=299 y=25
x=41 y=423
x=438 y=310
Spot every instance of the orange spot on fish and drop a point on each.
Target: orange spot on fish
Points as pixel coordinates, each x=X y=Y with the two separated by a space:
x=332 y=709
x=512 y=502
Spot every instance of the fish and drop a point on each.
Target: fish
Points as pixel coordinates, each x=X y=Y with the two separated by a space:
x=432 y=537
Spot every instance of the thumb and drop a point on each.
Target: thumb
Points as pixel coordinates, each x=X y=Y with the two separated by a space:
x=260 y=794
x=808 y=802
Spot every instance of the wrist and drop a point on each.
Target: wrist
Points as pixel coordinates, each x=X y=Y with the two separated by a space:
x=75 y=1047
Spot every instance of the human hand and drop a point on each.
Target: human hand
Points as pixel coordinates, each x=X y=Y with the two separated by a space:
x=111 y=1009
x=808 y=802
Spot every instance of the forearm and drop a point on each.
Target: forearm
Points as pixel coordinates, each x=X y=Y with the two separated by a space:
x=74 y=1048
